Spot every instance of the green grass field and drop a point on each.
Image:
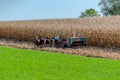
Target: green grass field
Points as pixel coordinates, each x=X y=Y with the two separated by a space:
x=19 y=64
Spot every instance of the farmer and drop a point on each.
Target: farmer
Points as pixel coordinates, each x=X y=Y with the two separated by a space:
x=57 y=38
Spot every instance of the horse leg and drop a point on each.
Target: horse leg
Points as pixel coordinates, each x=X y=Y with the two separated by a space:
x=44 y=42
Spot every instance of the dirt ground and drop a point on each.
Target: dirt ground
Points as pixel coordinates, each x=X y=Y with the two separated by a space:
x=86 y=51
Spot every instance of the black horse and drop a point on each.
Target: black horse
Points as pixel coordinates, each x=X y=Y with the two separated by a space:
x=47 y=41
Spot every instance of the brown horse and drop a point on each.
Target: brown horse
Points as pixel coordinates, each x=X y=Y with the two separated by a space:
x=39 y=42
x=36 y=42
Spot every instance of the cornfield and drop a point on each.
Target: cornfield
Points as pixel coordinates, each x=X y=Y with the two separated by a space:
x=99 y=31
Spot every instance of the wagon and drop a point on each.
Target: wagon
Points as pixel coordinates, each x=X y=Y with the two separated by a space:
x=76 y=41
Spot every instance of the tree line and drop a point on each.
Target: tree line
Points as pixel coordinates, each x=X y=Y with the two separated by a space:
x=107 y=7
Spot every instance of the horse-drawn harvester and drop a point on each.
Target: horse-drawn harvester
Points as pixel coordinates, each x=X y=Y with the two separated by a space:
x=62 y=42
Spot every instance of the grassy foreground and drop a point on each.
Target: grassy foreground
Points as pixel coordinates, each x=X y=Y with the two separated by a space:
x=19 y=64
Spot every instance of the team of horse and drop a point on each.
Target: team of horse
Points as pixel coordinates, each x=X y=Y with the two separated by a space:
x=51 y=42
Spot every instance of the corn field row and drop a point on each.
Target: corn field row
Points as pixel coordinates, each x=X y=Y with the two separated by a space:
x=103 y=31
